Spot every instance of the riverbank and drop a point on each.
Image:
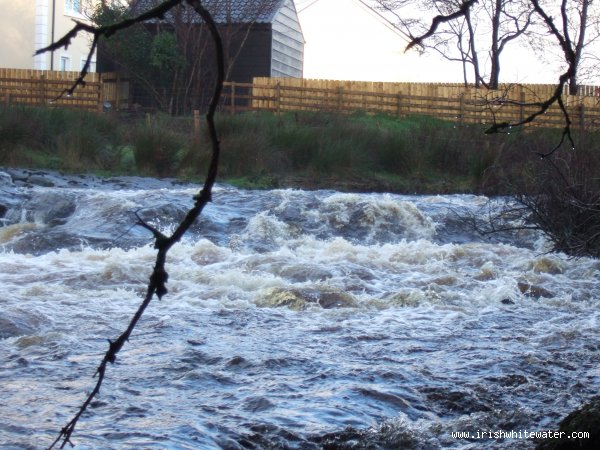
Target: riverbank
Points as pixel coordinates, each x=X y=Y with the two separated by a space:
x=357 y=153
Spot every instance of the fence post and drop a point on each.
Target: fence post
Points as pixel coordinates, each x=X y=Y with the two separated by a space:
x=340 y=94
x=100 y=105
x=461 y=113
x=278 y=93
x=522 y=105
x=399 y=105
x=100 y=99
x=582 y=116
x=118 y=91
x=42 y=91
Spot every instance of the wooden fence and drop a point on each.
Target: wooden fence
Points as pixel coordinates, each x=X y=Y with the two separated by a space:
x=454 y=102
x=48 y=88
x=445 y=101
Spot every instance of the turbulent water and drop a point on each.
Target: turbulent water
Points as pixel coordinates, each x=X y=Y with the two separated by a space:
x=294 y=319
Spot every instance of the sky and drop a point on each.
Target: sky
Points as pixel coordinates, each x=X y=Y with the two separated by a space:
x=347 y=41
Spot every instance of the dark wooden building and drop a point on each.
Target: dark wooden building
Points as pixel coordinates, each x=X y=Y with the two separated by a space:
x=275 y=44
x=262 y=37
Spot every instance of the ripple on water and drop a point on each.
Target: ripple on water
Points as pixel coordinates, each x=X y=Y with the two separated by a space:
x=300 y=320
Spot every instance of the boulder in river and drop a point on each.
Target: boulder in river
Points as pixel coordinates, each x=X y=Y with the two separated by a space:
x=584 y=420
x=300 y=298
x=50 y=207
x=533 y=291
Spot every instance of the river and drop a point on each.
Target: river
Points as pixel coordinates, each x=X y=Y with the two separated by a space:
x=294 y=319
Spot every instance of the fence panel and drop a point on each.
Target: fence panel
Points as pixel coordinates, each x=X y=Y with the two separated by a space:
x=448 y=101
x=48 y=88
x=452 y=101
x=115 y=91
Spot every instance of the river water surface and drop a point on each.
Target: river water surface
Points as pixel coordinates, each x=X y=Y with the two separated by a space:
x=294 y=319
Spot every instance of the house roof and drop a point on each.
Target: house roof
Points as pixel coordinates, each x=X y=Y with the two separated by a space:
x=224 y=11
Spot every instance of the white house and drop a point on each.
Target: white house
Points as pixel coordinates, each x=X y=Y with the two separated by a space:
x=28 y=25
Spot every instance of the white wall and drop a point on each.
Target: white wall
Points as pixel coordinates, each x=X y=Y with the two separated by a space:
x=26 y=25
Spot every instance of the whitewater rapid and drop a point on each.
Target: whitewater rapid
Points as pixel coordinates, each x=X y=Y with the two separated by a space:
x=294 y=319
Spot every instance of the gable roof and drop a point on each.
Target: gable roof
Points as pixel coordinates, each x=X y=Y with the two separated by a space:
x=223 y=11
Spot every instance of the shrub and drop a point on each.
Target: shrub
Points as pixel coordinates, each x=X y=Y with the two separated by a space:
x=38 y=136
x=562 y=199
x=156 y=146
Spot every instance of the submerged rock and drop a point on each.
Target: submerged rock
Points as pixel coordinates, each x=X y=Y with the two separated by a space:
x=386 y=436
x=5 y=179
x=49 y=207
x=545 y=264
x=584 y=420
x=450 y=402
x=533 y=291
x=300 y=298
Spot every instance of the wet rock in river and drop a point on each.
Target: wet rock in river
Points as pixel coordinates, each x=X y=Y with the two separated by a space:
x=549 y=265
x=583 y=420
x=164 y=211
x=16 y=230
x=300 y=298
x=20 y=323
x=9 y=198
x=510 y=380
x=5 y=179
x=9 y=328
x=387 y=436
x=28 y=178
x=533 y=291
x=50 y=207
x=40 y=180
x=448 y=402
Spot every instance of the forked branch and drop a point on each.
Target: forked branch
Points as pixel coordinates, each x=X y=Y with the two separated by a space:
x=440 y=19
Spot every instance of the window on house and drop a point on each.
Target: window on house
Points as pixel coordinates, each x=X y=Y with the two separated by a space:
x=92 y=67
x=65 y=63
x=73 y=6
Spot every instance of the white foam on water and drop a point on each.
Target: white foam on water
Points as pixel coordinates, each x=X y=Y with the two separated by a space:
x=376 y=213
x=459 y=318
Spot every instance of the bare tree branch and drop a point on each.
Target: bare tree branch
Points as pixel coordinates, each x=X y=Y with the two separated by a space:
x=159 y=276
x=438 y=20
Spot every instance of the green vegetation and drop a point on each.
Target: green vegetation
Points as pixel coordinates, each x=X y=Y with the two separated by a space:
x=309 y=150
x=58 y=139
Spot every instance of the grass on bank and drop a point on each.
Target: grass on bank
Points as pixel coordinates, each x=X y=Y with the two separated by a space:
x=262 y=150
